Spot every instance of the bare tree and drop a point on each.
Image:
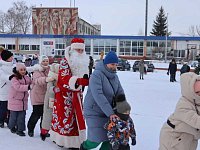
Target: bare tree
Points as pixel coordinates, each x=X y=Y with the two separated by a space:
x=18 y=18
x=2 y=22
x=192 y=31
x=11 y=22
x=198 y=29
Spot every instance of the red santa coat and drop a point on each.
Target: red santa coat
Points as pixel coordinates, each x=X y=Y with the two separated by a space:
x=68 y=125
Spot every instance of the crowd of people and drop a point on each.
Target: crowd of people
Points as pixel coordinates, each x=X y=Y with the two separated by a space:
x=56 y=96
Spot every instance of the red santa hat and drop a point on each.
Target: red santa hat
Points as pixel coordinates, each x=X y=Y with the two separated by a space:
x=77 y=43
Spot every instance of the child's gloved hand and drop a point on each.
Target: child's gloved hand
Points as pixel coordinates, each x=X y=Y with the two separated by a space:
x=133 y=141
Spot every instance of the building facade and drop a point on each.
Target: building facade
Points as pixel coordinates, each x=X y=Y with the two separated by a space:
x=131 y=47
x=84 y=28
x=60 y=21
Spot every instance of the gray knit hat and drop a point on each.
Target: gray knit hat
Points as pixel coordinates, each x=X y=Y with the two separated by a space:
x=122 y=105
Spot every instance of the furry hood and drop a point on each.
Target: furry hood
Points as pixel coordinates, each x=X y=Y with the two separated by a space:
x=187 y=86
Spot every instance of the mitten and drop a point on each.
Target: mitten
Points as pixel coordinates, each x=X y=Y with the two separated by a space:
x=49 y=79
x=133 y=141
x=82 y=81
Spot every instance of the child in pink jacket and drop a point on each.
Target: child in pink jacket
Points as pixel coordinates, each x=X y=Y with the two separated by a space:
x=39 y=87
x=18 y=99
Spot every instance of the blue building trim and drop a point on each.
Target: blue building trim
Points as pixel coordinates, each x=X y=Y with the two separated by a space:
x=178 y=38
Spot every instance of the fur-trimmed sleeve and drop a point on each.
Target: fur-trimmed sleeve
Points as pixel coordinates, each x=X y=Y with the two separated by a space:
x=66 y=80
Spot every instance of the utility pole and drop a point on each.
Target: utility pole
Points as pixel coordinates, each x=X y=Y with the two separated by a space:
x=146 y=17
x=70 y=4
x=146 y=22
x=166 y=39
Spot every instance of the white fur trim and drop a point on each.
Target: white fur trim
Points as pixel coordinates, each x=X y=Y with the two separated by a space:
x=72 y=82
x=77 y=46
x=67 y=51
x=68 y=141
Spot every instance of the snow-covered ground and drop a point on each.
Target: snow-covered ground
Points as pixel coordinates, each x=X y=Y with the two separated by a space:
x=152 y=99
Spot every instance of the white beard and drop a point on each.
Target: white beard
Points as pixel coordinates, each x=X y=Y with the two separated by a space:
x=78 y=63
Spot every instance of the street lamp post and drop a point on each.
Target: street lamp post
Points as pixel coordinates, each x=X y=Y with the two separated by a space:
x=166 y=40
x=146 y=17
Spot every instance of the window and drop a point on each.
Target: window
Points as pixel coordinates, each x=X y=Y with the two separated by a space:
x=11 y=47
x=134 y=43
x=35 y=47
x=23 y=47
x=140 y=43
x=155 y=44
x=87 y=50
x=128 y=43
x=3 y=45
x=60 y=46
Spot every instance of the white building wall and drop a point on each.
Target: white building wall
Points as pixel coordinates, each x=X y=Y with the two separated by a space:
x=7 y=40
x=29 y=41
x=181 y=45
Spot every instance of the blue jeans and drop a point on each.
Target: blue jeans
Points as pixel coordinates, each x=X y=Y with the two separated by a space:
x=17 y=119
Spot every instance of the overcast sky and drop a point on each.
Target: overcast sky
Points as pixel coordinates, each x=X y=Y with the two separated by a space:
x=127 y=17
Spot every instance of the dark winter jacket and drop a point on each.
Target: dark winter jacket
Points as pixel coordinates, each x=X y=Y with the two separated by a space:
x=172 y=67
x=91 y=63
x=119 y=132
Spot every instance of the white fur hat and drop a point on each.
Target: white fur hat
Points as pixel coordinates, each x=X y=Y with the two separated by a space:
x=42 y=57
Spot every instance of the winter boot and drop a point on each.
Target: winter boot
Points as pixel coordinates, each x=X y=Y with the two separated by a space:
x=30 y=133
x=81 y=147
x=6 y=121
x=20 y=133
x=43 y=136
x=13 y=130
x=2 y=125
x=44 y=133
